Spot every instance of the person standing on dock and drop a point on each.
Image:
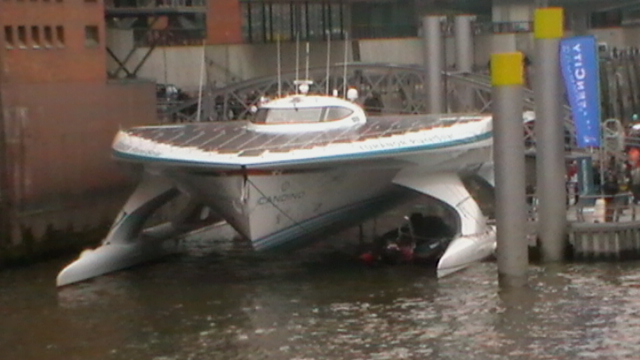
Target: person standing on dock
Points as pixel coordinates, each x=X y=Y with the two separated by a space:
x=635 y=185
x=610 y=188
x=634 y=170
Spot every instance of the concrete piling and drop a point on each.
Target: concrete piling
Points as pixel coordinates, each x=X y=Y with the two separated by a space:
x=511 y=214
x=434 y=62
x=464 y=57
x=549 y=129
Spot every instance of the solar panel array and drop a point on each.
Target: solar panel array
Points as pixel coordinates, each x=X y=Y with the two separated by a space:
x=236 y=138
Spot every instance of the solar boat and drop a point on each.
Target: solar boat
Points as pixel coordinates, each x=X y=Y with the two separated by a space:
x=302 y=164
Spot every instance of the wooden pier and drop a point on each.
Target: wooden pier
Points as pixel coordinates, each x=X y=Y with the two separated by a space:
x=604 y=241
x=599 y=232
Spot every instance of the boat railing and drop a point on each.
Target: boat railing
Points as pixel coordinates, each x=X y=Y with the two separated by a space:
x=605 y=208
x=597 y=208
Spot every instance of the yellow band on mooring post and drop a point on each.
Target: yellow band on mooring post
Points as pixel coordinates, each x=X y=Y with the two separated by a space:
x=548 y=23
x=507 y=69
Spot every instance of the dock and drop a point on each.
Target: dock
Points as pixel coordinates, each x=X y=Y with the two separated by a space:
x=600 y=232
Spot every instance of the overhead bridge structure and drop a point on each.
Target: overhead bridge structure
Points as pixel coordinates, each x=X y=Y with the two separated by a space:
x=382 y=88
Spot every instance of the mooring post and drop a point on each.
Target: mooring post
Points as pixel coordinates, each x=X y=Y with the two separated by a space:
x=508 y=154
x=464 y=57
x=434 y=62
x=549 y=130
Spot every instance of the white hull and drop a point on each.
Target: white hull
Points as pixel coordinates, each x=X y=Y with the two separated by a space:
x=111 y=257
x=272 y=208
x=277 y=187
x=466 y=250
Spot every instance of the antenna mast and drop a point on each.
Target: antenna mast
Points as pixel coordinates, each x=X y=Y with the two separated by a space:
x=306 y=74
x=202 y=75
x=328 y=61
x=297 y=56
x=279 y=68
x=344 y=76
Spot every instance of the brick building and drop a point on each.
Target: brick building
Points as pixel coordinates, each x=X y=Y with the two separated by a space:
x=59 y=115
x=60 y=107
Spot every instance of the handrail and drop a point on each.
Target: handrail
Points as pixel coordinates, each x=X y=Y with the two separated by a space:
x=614 y=208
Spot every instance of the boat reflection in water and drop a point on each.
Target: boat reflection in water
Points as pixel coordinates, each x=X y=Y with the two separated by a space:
x=319 y=305
x=304 y=165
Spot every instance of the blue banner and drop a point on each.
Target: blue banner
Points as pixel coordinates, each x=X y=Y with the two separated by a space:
x=579 y=63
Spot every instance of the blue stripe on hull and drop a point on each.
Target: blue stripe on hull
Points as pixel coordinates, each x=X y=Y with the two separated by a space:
x=340 y=218
x=309 y=161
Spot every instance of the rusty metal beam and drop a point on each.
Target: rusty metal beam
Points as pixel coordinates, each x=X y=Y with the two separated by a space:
x=144 y=59
x=121 y=65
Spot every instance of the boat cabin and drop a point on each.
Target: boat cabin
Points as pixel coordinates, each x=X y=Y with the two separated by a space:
x=307 y=112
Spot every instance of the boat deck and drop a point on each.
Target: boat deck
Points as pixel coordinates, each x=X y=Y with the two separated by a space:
x=236 y=138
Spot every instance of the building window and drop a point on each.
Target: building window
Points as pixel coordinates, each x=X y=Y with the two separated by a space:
x=48 y=36
x=22 y=36
x=266 y=21
x=91 y=36
x=388 y=19
x=35 y=37
x=60 y=35
x=604 y=19
x=8 y=37
x=631 y=17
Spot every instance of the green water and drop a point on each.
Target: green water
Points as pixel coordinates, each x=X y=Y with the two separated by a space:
x=318 y=304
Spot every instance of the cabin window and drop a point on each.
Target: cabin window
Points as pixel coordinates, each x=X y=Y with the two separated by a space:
x=261 y=116
x=289 y=116
x=301 y=115
x=337 y=113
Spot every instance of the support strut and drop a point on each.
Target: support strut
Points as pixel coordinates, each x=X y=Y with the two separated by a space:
x=126 y=244
x=475 y=240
